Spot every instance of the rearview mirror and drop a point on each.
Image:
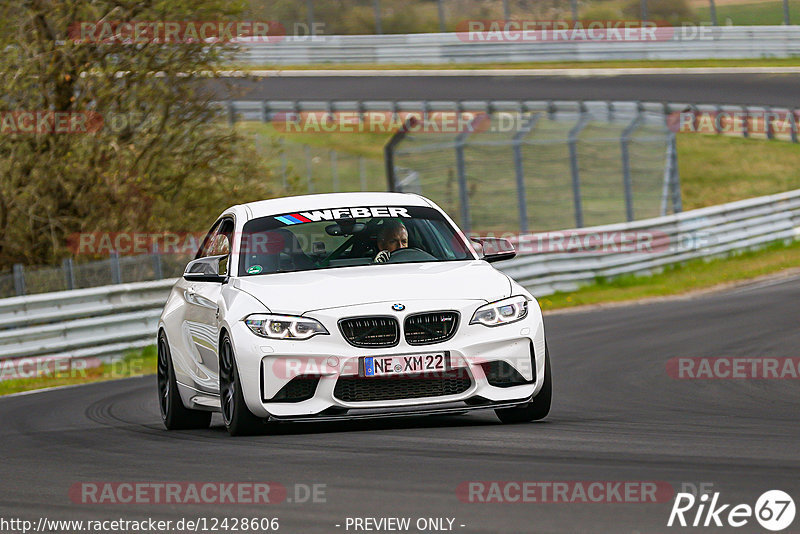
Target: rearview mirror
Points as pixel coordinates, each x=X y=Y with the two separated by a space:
x=208 y=269
x=494 y=249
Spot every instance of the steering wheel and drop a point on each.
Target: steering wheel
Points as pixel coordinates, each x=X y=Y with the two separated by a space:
x=403 y=255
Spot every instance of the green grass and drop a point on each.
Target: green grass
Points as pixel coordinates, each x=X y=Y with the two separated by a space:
x=135 y=363
x=755 y=14
x=684 y=63
x=691 y=276
x=717 y=169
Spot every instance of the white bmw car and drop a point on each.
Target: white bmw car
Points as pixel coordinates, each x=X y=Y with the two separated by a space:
x=347 y=306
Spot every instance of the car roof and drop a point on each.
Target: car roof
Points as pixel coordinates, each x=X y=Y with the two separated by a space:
x=274 y=206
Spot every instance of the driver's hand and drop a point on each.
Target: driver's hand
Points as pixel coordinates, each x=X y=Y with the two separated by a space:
x=382 y=257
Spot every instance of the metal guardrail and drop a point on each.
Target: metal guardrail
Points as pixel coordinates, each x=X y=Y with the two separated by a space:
x=105 y=321
x=716 y=42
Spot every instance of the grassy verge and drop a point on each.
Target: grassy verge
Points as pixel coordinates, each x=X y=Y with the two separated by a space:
x=755 y=13
x=135 y=363
x=687 y=63
x=691 y=276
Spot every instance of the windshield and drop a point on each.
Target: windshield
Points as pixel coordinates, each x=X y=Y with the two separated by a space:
x=322 y=239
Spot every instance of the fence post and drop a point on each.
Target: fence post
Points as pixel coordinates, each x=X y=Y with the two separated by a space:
x=768 y=123
x=440 y=8
x=377 y=6
x=519 y=170
x=231 y=113
x=116 y=271
x=334 y=172
x=626 y=164
x=793 y=123
x=573 y=165
x=574 y=8
x=644 y=10
x=19 y=280
x=463 y=194
x=388 y=155
x=158 y=271
x=507 y=10
x=677 y=202
x=713 y=8
x=310 y=15
x=69 y=273
x=362 y=173
x=309 y=170
x=786 y=12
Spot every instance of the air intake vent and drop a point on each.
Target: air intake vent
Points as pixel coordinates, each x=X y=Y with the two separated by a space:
x=431 y=327
x=370 y=331
x=358 y=389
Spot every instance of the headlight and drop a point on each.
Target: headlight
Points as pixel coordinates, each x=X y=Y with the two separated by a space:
x=502 y=312
x=284 y=326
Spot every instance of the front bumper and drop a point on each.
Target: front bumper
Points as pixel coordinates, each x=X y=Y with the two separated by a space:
x=267 y=366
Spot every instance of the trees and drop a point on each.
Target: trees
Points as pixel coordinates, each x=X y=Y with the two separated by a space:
x=139 y=146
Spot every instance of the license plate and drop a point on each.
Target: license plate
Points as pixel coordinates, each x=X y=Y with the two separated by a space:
x=407 y=364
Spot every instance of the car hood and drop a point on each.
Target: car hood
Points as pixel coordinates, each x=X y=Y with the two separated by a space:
x=306 y=291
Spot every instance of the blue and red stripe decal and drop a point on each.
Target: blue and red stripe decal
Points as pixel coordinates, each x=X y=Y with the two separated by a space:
x=293 y=218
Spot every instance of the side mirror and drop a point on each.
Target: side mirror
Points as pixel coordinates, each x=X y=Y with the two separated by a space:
x=494 y=249
x=209 y=269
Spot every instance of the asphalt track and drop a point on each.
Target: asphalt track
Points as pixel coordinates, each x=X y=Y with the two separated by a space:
x=752 y=89
x=617 y=415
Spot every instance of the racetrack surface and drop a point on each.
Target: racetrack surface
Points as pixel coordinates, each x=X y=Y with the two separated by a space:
x=617 y=415
x=754 y=89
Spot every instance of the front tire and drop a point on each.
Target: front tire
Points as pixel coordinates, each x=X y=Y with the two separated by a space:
x=174 y=414
x=536 y=409
x=237 y=417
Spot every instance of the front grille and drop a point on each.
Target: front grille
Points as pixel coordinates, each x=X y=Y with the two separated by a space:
x=430 y=327
x=299 y=388
x=370 y=331
x=360 y=389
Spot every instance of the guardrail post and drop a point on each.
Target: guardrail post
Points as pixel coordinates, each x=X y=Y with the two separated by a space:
x=677 y=202
x=158 y=271
x=69 y=273
x=265 y=111
x=713 y=9
x=507 y=11
x=746 y=122
x=440 y=9
x=116 y=271
x=644 y=10
x=786 y=12
x=572 y=141
x=768 y=122
x=19 y=280
x=793 y=124
x=573 y=4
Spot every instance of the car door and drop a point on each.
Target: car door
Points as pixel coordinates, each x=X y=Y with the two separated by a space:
x=201 y=318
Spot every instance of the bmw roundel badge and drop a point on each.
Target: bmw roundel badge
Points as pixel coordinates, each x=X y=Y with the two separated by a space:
x=398 y=307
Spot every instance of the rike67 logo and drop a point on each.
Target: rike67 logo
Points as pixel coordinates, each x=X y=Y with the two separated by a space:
x=774 y=510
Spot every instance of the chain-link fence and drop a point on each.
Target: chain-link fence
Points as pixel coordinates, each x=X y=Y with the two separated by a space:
x=550 y=166
x=28 y=280
x=304 y=168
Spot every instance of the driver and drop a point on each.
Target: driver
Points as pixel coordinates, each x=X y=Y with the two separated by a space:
x=392 y=236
